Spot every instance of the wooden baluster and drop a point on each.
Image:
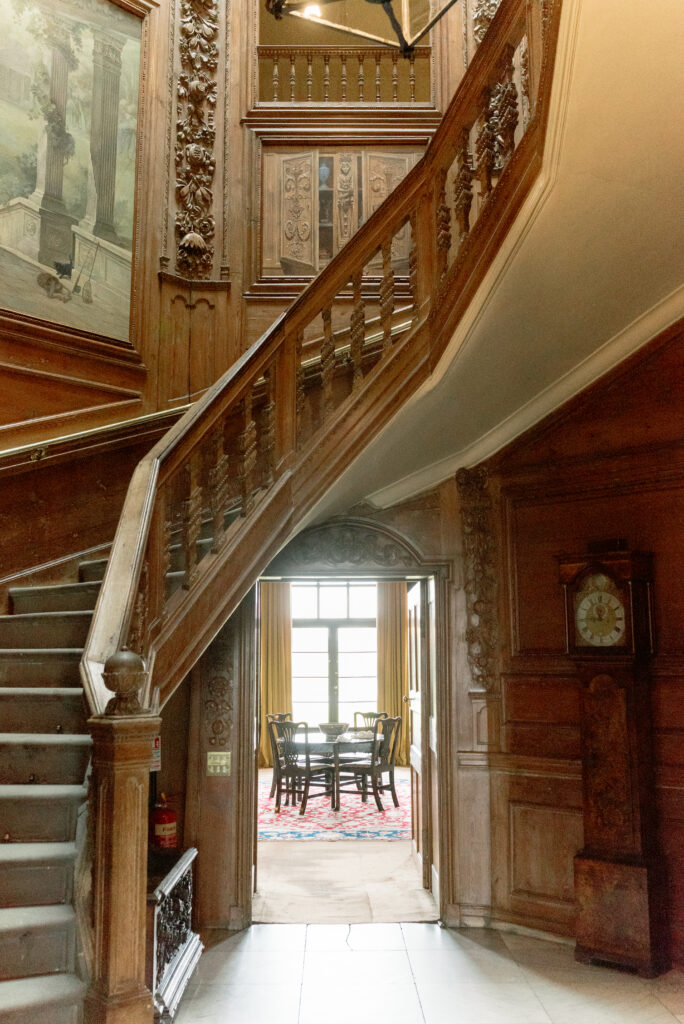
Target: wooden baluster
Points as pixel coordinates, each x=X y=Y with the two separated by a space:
x=343 y=78
x=138 y=630
x=412 y=77
x=191 y=523
x=248 y=454
x=309 y=77
x=268 y=431
x=486 y=145
x=327 y=362
x=463 y=187
x=300 y=396
x=395 y=75
x=276 y=73
x=326 y=77
x=413 y=268
x=443 y=225
x=361 y=73
x=218 y=486
x=293 y=76
x=377 y=77
x=357 y=331
x=166 y=554
x=387 y=295
x=505 y=108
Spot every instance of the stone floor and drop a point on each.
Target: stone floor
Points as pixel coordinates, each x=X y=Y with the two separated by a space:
x=414 y=974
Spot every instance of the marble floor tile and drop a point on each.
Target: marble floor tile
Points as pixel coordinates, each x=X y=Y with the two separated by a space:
x=241 y=1004
x=369 y=1004
x=454 y=966
x=481 y=1004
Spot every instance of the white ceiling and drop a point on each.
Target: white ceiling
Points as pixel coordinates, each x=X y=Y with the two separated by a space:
x=593 y=268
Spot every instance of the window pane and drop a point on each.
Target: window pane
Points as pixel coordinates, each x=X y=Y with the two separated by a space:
x=348 y=708
x=333 y=602
x=352 y=638
x=363 y=690
x=310 y=712
x=310 y=665
x=303 y=601
x=362 y=601
x=307 y=690
x=358 y=664
x=314 y=638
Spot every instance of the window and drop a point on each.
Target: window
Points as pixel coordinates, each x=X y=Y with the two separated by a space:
x=334 y=650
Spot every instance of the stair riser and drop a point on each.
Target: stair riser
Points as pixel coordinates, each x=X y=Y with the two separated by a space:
x=38 y=821
x=41 y=713
x=45 y=950
x=43 y=764
x=36 y=884
x=45 y=1015
x=45 y=631
x=82 y=597
x=92 y=572
x=39 y=669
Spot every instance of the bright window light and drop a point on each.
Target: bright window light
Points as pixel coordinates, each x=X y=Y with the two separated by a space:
x=312 y=11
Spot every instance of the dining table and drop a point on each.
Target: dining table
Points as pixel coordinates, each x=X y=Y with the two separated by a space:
x=353 y=742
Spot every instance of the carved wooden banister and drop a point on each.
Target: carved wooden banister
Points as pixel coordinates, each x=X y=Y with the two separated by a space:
x=229 y=482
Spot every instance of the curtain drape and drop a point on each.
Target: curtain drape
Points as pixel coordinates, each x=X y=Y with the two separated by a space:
x=276 y=659
x=393 y=657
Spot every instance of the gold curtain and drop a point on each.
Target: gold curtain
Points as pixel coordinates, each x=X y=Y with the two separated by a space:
x=393 y=657
x=276 y=659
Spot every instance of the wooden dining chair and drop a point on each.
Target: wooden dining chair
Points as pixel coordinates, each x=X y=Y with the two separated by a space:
x=353 y=776
x=367 y=719
x=298 y=771
x=284 y=716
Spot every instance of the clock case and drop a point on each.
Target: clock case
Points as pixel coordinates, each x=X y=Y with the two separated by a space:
x=631 y=573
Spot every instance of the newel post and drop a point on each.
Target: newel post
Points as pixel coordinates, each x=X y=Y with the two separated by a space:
x=122 y=753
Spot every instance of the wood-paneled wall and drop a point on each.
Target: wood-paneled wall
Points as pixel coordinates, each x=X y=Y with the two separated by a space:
x=610 y=464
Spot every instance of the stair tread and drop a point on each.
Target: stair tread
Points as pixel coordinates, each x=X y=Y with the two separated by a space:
x=43 y=990
x=41 y=691
x=52 y=587
x=64 y=739
x=31 y=852
x=42 y=652
x=68 y=613
x=14 y=918
x=30 y=791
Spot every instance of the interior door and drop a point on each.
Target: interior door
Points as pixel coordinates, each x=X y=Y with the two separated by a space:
x=419 y=724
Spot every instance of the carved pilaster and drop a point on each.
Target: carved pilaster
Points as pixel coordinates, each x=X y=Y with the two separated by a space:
x=122 y=756
x=196 y=136
x=218 y=709
x=479 y=547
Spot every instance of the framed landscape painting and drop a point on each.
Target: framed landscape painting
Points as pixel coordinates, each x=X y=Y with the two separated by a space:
x=69 y=72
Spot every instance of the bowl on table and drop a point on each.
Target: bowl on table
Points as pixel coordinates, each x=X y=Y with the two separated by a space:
x=333 y=729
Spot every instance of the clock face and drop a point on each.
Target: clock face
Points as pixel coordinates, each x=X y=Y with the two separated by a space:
x=600 y=613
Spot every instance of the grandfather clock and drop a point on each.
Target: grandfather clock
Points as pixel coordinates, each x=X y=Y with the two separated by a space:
x=619 y=891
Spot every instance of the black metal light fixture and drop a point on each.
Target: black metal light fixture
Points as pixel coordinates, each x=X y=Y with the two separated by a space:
x=407 y=33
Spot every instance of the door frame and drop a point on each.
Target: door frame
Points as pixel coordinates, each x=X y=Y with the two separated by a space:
x=354 y=548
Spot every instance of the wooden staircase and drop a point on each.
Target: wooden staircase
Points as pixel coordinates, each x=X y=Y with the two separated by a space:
x=45 y=750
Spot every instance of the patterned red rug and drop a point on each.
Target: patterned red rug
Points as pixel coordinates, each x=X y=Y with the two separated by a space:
x=354 y=820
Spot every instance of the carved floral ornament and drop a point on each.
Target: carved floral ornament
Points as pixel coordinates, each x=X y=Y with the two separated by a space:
x=218 y=709
x=348 y=545
x=196 y=136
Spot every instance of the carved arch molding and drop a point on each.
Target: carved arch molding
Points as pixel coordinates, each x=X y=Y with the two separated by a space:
x=350 y=546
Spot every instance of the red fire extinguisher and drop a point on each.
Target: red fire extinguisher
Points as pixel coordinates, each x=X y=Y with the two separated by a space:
x=164 y=826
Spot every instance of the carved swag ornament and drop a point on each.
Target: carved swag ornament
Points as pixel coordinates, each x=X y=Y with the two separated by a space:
x=479 y=545
x=195 y=137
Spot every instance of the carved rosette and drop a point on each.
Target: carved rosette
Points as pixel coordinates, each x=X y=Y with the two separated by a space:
x=479 y=548
x=482 y=17
x=174 y=922
x=195 y=137
x=218 y=711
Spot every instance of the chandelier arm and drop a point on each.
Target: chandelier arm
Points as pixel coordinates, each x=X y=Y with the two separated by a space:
x=403 y=44
x=344 y=29
x=423 y=32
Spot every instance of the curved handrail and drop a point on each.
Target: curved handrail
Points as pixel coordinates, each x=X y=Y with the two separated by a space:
x=260 y=434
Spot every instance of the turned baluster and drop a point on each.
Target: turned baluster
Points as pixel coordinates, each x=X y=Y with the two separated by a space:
x=357 y=331
x=248 y=454
x=377 y=77
x=276 y=73
x=387 y=295
x=309 y=77
x=293 y=76
x=486 y=145
x=327 y=361
x=412 y=77
x=343 y=77
x=191 y=522
x=268 y=431
x=463 y=186
x=361 y=74
x=326 y=77
x=218 y=486
x=300 y=395
x=443 y=225
x=395 y=75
